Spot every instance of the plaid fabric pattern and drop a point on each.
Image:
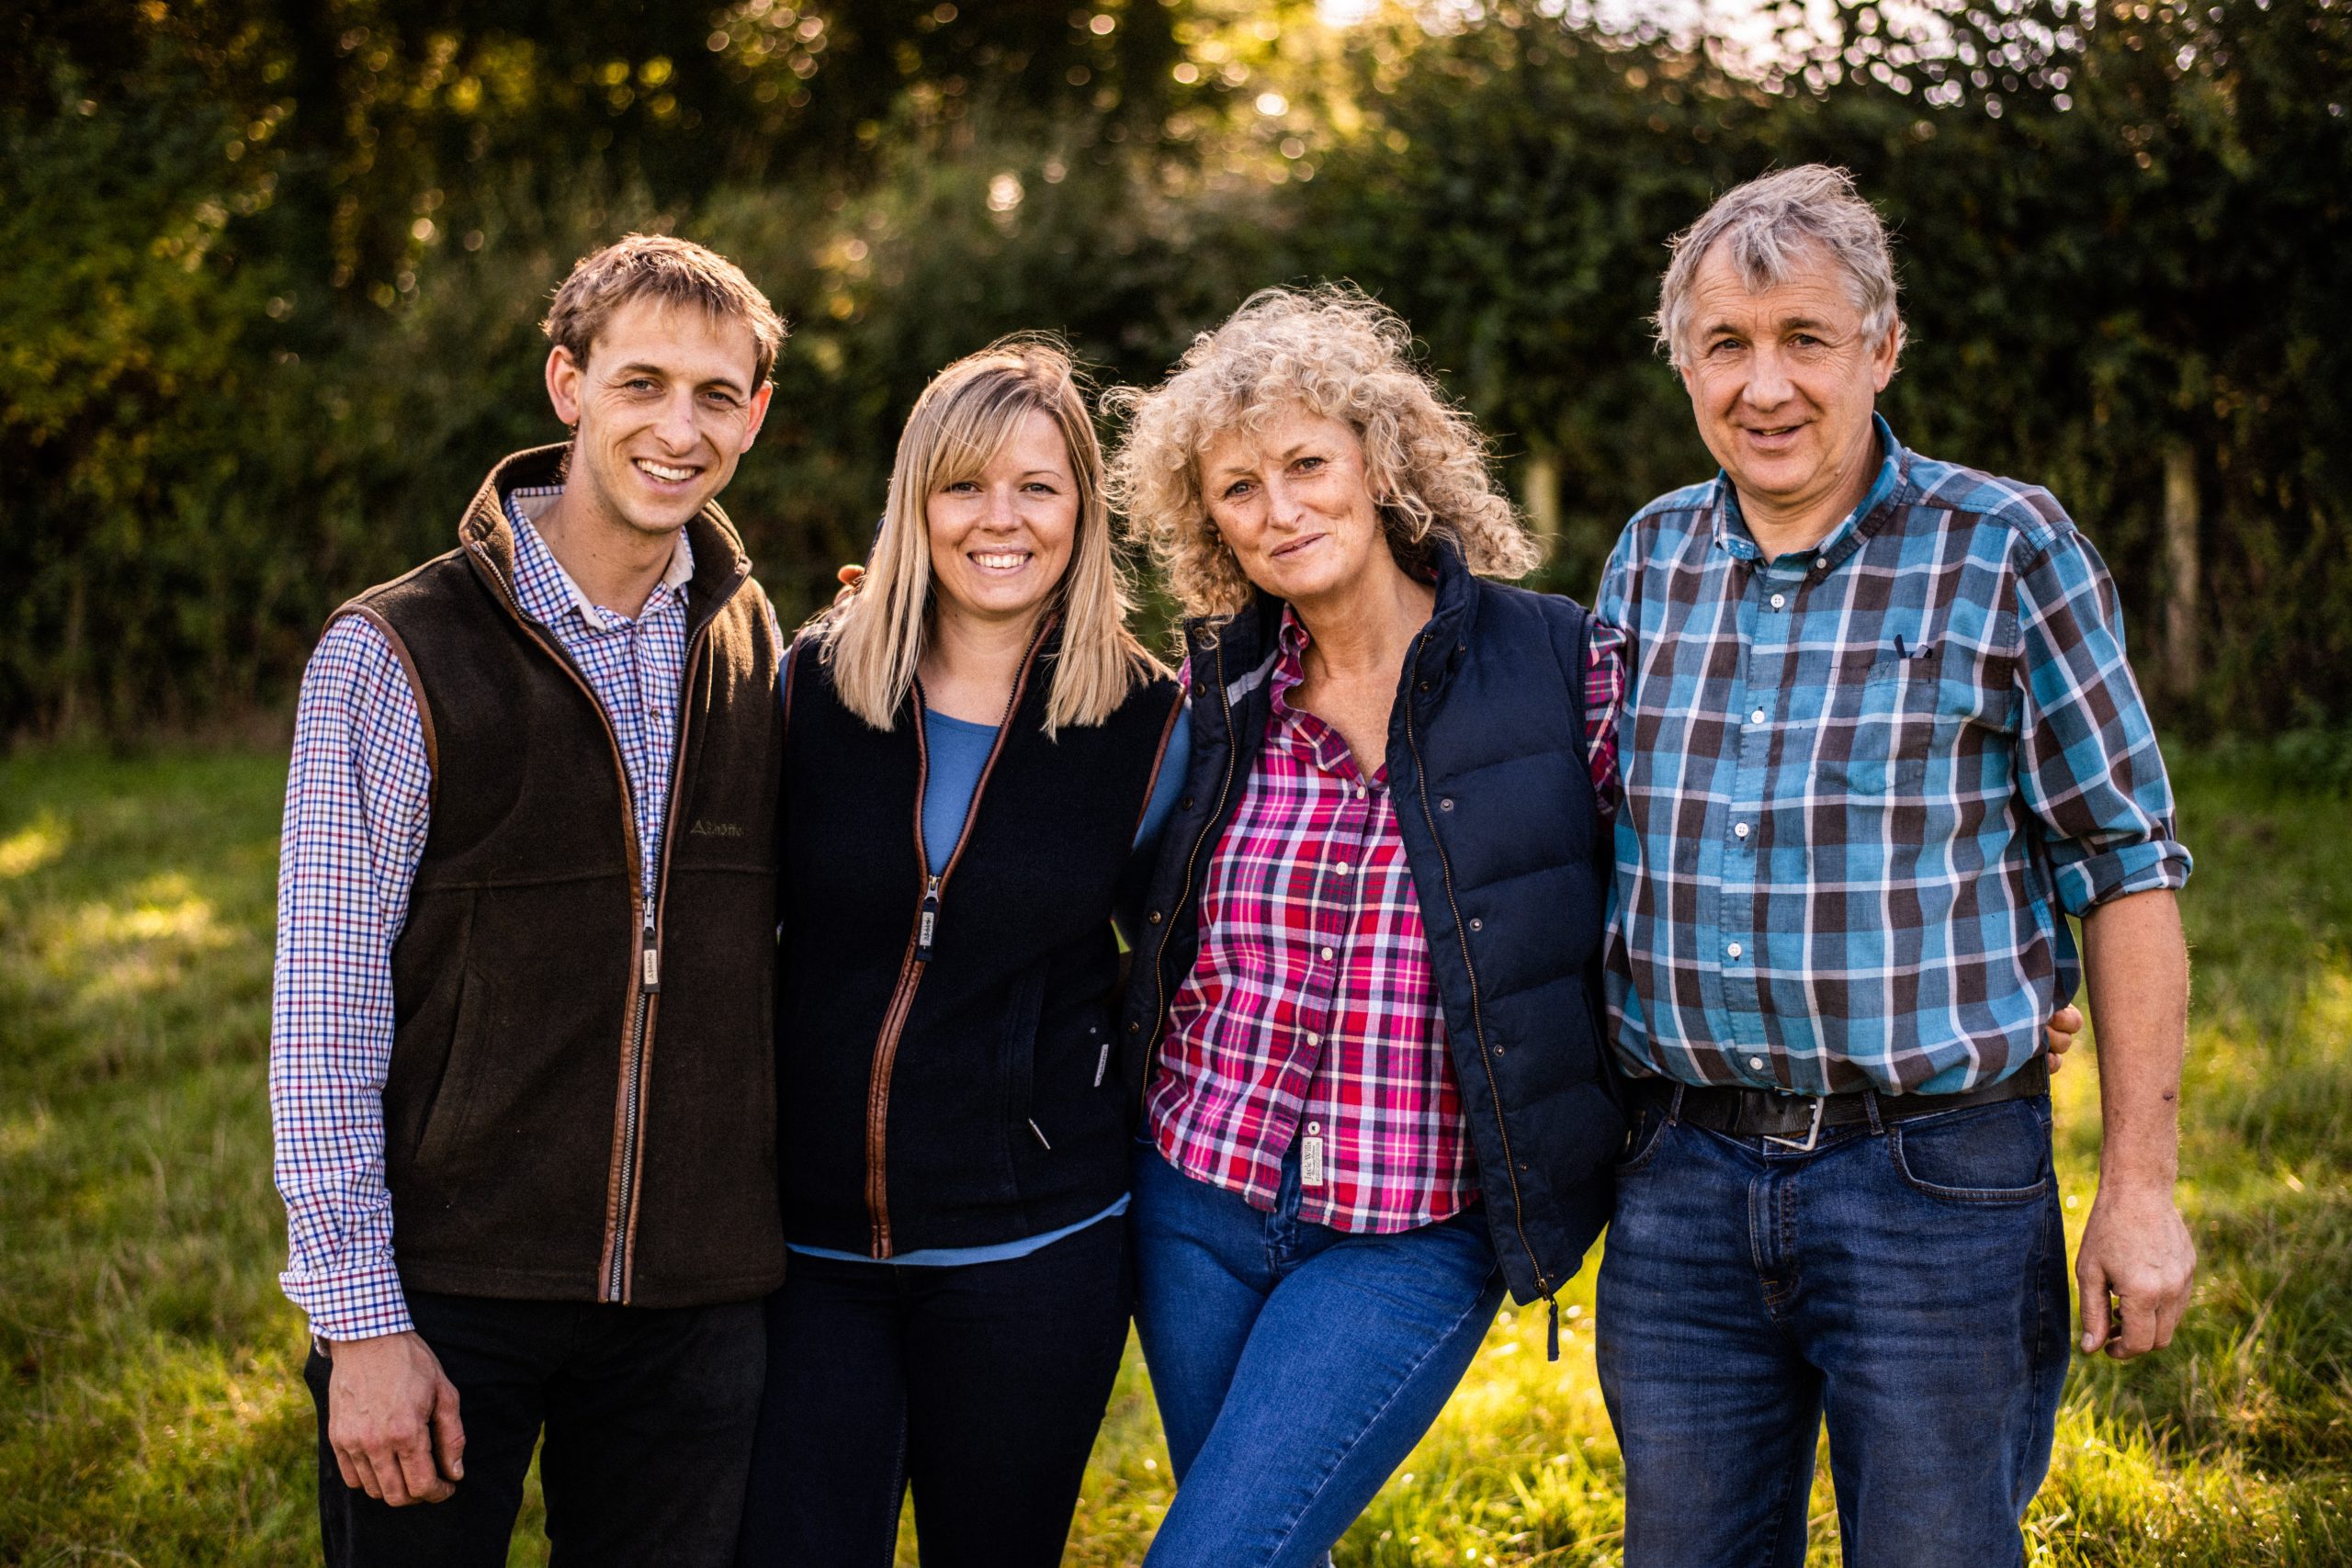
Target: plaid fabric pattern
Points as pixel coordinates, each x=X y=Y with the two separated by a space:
x=1863 y=785
x=357 y=816
x=1312 y=1011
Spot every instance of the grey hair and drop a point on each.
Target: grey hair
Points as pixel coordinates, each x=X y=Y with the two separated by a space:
x=1764 y=226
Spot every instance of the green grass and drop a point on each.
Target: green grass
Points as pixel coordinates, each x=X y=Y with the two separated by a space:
x=150 y=1410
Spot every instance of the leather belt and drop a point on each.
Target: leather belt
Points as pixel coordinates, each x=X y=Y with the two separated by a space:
x=1797 y=1121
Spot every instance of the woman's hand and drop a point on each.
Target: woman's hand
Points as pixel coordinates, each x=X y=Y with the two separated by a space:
x=849 y=577
x=2065 y=1024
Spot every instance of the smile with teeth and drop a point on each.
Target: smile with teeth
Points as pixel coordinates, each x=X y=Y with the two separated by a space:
x=663 y=472
x=1000 y=560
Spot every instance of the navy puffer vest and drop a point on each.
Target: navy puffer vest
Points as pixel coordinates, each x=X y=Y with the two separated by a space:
x=1511 y=861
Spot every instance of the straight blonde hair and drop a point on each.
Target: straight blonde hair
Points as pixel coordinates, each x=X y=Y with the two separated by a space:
x=964 y=418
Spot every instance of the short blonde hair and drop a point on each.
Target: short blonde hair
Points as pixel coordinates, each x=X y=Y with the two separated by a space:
x=673 y=271
x=1764 y=227
x=1340 y=354
x=964 y=418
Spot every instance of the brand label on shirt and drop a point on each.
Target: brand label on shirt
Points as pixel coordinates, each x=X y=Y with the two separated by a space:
x=1310 y=1160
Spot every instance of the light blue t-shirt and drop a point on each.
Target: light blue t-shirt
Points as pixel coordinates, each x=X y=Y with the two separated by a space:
x=959 y=751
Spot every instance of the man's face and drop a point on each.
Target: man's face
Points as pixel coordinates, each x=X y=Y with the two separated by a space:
x=663 y=410
x=1783 y=382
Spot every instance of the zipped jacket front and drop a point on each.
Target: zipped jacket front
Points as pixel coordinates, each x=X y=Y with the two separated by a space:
x=946 y=1067
x=1509 y=858
x=579 y=1102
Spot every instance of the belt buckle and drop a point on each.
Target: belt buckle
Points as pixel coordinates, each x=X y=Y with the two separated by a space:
x=1812 y=1134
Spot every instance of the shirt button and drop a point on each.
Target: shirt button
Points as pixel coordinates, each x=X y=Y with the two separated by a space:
x=1476 y=924
x=1739 y=830
x=1359 y=792
x=1755 y=1063
x=1821 y=563
x=1341 y=869
x=1313 y=1039
x=1315 y=1127
x=1756 y=717
x=1733 y=950
x=1327 y=955
x=1779 y=600
x=1153 y=916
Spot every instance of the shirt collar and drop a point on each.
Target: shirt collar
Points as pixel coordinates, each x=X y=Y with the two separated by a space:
x=1290 y=656
x=1731 y=528
x=547 y=590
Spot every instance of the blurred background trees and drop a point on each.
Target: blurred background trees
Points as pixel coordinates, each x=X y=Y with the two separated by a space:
x=271 y=270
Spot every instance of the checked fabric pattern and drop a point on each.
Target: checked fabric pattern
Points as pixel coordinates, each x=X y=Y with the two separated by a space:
x=1312 y=1011
x=1864 y=785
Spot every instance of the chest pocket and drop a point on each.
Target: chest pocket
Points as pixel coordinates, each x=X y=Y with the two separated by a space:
x=1886 y=716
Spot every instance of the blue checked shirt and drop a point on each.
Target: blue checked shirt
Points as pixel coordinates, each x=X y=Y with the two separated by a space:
x=1863 y=785
x=357 y=810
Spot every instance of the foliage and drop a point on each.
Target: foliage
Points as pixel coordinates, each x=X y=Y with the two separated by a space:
x=269 y=274
x=151 y=1407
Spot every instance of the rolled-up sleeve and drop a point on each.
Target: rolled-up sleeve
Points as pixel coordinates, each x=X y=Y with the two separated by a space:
x=2087 y=763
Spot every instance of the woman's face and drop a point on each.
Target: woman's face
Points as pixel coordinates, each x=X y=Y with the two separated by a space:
x=1000 y=541
x=1292 y=503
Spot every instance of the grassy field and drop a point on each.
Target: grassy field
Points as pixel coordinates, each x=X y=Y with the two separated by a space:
x=150 y=1410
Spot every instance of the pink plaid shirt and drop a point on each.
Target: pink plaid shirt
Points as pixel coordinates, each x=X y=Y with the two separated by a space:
x=1312 y=1014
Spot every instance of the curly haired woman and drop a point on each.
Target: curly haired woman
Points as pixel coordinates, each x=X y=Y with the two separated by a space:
x=1364 y=1020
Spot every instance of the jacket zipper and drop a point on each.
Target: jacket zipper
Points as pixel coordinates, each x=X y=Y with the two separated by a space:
x=644 y=981
x=1184 y=888
x=919 y=947
x=635 y=1067
x=1477 y=1016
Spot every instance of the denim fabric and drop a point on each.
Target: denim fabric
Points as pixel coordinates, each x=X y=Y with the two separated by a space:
x=1296 y=1366
x=1907 y=1284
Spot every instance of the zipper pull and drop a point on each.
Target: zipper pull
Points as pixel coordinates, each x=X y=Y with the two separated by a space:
x=650 y=959
x=1552 y=1336
x=930 y=922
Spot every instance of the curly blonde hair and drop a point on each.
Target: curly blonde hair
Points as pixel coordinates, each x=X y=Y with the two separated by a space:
x=1338 y=353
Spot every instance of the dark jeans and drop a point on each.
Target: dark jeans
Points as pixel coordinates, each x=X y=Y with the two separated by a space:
x=1296 y=1366
x=1909 y=1284
x=648 y=1415
x=981 y=1386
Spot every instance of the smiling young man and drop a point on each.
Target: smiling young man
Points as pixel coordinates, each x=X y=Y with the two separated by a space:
x=1879 y=740
x=520 y=1044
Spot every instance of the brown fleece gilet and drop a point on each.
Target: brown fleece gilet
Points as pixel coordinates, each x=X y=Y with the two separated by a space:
x=581 y=1101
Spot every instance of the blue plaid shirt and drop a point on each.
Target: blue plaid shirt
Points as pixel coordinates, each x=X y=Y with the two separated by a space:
x=1863 y=784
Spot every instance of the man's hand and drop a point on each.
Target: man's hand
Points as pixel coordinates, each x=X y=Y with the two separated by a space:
x=2136 y=1248
x=2065 y=1024
x=392 y=1420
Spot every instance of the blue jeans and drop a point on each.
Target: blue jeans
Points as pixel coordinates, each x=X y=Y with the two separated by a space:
x=1296 y=1366
x=1907 y=1283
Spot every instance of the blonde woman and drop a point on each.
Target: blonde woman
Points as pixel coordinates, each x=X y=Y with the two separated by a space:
x=974 y=749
